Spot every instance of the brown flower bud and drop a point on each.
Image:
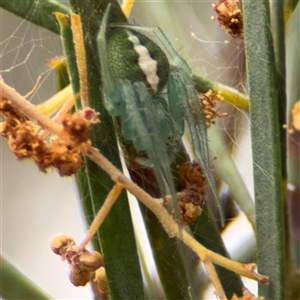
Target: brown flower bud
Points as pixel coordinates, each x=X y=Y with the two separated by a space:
x=100 y=280
x=60 y=243
x=79 y=277
x=91 y=261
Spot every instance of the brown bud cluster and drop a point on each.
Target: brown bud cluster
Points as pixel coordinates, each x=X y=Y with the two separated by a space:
x=25 y=141
x=193 y=189
x=230 y=17
x=83 y=263
x=208 y=102
x=77 y=125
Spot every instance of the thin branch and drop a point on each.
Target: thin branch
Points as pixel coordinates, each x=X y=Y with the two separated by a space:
x=229 y=95
x=170 y=226
x=215 y=279
x=102 y=213
x=29 y=109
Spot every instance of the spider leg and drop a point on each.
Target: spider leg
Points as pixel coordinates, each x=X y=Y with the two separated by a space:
x=132 y=121
x=175 y=108
x=170 y=120
x=181 y=89
x=157 y=151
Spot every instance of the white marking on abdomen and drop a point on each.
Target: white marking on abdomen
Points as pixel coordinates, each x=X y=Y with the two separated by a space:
x=146 y=63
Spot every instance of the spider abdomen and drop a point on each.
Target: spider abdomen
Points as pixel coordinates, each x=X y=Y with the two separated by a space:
x=137 y=58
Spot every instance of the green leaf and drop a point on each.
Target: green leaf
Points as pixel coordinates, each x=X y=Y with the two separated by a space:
x=176 y=264
x=15 y=285
x=265 y=131
x=69 y=51
x=38 y=12
x=226 y=169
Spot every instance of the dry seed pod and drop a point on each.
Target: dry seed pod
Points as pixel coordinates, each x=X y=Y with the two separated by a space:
x=189 y=212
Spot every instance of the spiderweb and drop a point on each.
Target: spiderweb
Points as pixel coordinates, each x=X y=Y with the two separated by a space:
x=24 y=52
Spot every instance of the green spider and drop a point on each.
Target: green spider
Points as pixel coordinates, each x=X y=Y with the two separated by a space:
x=152 y=97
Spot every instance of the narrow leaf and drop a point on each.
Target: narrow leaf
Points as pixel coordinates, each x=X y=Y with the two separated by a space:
x=37 y=12
x=226 y=169
x=265 y=131
x=15 y=285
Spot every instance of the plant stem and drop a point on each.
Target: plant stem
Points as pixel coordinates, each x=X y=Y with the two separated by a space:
x=230 y=95
x=167 y=221
x=102 y=213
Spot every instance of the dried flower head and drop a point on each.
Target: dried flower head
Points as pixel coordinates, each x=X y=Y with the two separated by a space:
x=208 y=102
x=189 y=212
x=77 y=125
x=190 y=174
x=230 y=17
x=193 y=189
x=63 y=154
